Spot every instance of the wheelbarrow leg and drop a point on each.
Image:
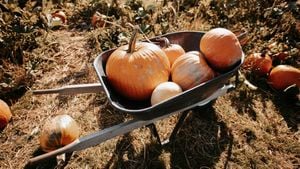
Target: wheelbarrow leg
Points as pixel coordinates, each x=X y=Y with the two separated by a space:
x=172 y=137
x=178 y=125
x=154 y=132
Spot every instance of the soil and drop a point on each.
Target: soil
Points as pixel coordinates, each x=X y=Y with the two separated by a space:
x=246 y=128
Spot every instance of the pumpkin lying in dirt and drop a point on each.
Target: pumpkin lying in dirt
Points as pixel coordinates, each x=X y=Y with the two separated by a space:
x=283 y=76
x=58 y=132
x=5 y=114
x=259 y=63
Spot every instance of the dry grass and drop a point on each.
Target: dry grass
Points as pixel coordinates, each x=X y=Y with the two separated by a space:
x=243 y=129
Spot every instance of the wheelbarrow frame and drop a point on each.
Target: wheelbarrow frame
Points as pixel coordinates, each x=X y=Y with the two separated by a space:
x=144 y=114
x=190 y=41
x=100 y=136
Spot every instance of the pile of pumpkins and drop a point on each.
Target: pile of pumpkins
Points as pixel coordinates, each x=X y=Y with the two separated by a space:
x=279 y=77
x=143 y=70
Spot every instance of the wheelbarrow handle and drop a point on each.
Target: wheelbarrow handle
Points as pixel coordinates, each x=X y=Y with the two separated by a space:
x=98 y=137
x=72 y=89
x=65 y=149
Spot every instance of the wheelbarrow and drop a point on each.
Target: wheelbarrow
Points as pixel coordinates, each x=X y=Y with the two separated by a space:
x=143 y=113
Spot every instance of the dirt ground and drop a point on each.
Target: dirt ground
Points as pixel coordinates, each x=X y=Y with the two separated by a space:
x=245 y=128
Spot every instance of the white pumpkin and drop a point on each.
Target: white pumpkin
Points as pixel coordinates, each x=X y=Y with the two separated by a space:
x=164 y=91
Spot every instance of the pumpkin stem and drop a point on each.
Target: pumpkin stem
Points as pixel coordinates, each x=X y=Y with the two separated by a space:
x=164 y=42
x=167 y=42
x=242 y=37
x=132 y=41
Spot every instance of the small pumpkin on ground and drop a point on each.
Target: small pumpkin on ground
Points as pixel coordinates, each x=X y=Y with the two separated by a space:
x=5 y=114
x=283 y=76
x=58 y=132
x=98 y=19
x=221 y=48
x=190 y=70
x=259 y=63
x=134 y=70
x=61 y=15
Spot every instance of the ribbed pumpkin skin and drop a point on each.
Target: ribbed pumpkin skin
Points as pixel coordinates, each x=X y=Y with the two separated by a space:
x=58 y=132
x=283 y=76
x=221 y=48
x=190 y=70
x=5 y=114
x=135 y=75
x=173 y=52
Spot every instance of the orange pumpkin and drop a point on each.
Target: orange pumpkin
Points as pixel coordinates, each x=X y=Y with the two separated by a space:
x=61 y=15
x=5 y=114
x=281 y=56
x=190 y=70
x=134 y=70
x=221 y=48
x=283 y=76
x=258 y=63
x=58 y=132
x=173 y=51
x=98 y=19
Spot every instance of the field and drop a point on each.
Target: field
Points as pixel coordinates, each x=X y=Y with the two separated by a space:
x=249 y=127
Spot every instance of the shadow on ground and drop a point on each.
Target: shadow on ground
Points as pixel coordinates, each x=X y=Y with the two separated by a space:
x=50 y=163
x=290 y=111
x=199 y=143
x=286 y=103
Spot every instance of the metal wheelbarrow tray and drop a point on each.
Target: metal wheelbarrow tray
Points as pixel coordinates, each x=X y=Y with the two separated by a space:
x=143 y=110
x=143 y=113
